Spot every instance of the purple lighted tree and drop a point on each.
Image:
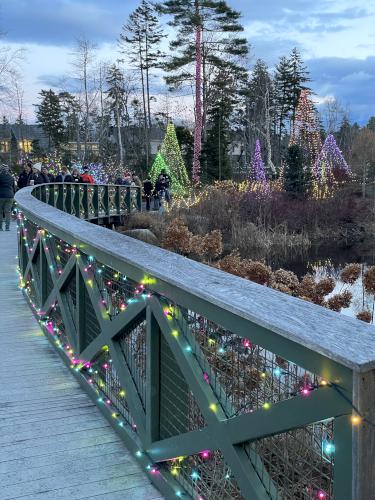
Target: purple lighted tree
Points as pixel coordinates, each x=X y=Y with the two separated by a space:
x=331 y=164
x=257 y=171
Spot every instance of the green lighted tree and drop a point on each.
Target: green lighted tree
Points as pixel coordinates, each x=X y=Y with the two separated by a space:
x=171 y=152
x=160 y=166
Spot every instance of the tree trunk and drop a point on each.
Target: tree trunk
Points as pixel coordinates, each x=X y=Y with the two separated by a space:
x=145 y=119
x=87 y=108
x=118 y=119
x=198 y=100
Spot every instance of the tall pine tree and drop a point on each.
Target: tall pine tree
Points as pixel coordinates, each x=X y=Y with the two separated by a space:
x=206 y=40
x=116 y=97
x=140 y=41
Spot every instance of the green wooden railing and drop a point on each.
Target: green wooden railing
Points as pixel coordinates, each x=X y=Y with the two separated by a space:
x=91 y=202
x=221 y=388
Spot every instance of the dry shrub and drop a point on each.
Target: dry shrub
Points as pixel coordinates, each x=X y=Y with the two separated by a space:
x=339 y=301
x=307 y=288
x=365 y=316
x=232 y=264
x=350 y=273
x=369 y=280
x=325 y=286
x=212 y=244
x=177 y=237
x=284 y=281
x=257 y=272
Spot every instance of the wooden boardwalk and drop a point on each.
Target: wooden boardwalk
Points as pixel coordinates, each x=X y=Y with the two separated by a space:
x=54 y=442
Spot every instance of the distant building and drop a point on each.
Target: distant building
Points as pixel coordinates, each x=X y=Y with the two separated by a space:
x=19 y=138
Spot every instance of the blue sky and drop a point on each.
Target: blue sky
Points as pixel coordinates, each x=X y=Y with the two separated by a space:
x=336 y=38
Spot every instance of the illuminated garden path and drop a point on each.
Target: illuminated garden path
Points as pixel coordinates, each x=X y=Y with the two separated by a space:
x=54 y=442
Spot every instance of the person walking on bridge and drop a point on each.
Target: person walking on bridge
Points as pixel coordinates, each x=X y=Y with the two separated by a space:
x=7 y=189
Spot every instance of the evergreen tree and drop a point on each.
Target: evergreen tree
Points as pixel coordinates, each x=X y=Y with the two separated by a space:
x=371 y=124
x=70 y=111
x=116 y=97
x=297 y=178
x=206 y=42
x=283 y=85
x=290 y=78
x=49 y=117
x=140 y=42
x=171 y=152
x=298 y=77
x=216 y=147
x=185 y=139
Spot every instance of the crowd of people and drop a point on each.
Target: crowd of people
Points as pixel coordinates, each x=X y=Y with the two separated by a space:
x=155 y=194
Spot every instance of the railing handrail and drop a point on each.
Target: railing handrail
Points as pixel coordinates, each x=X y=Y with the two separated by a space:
x=340 y=338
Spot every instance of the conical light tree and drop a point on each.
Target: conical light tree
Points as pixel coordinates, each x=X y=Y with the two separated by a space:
x=331 y=162
x=160 y=166
x=258 y=182
x=257 y=171
x=171 y=152
x=306 y=132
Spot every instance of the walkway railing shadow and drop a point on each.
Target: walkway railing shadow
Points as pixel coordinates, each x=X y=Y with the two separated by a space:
x=222 y=388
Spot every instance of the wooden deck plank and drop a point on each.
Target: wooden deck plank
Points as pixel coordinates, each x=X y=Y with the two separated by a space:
x=54 y=442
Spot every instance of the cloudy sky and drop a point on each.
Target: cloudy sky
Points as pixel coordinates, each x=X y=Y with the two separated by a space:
x=336 y=38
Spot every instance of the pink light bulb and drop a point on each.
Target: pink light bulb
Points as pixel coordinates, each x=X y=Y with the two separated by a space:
x=205 y=454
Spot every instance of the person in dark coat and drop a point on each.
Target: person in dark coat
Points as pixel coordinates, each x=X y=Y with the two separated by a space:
x=64 y=175
x=7 y=189
x=147 y=189
x=43 y=177
x=23 y=179
x=76 y=176
x=34 y=175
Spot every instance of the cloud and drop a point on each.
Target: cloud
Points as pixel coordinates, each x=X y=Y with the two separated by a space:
x=60 y=22
x=349 y=80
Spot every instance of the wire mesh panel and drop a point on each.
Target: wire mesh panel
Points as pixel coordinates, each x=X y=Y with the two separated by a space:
x=300 y=462
x=31 y=290
x=102 y=375
x=90 y=328
x=179 y=411
x=205 y=476
x=58 y=327
x=30 y=231
x=133 y=347
x=116 y=289
x=70 y=294
x=60 y=253
x=243 y=375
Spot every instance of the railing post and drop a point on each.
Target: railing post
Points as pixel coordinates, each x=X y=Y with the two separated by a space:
x=95 y=200
x=43 y=272
x=364 y=436
x=139 y=199
x=76 y=199
x=85 y=200
x=118 y=200
x=68 y=199
x=153 y=375
x=128 y=199
x=106 y=201
x=60 y=197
